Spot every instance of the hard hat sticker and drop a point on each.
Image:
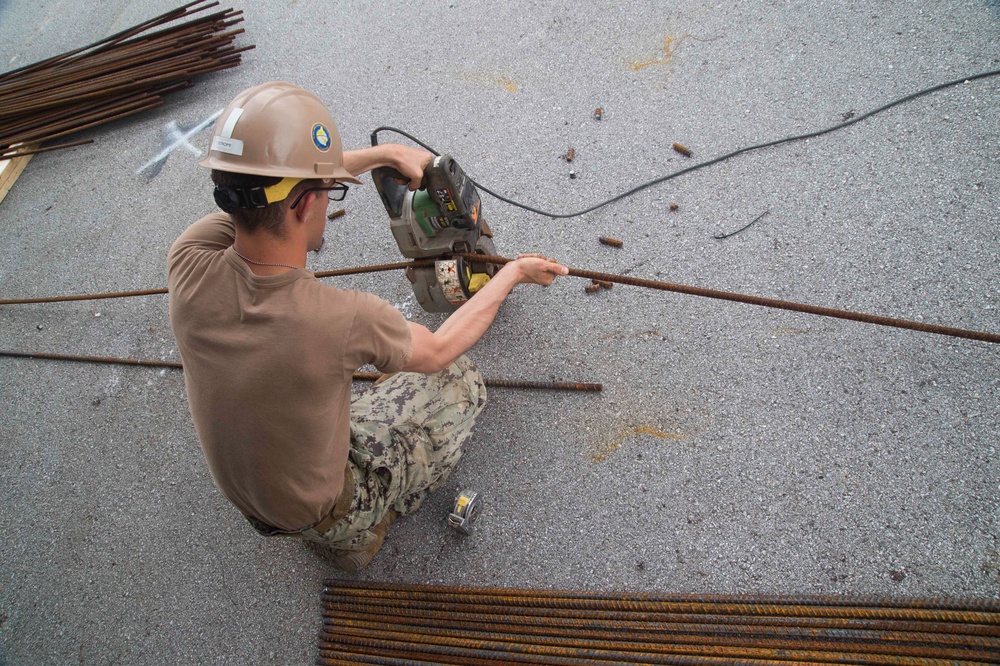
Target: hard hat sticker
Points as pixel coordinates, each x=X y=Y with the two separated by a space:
x=224 y=141
x=321 y=137
x=224 y=145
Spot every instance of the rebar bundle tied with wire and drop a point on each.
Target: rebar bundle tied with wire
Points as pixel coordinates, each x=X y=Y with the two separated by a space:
x=116 y=77
x=384 y=623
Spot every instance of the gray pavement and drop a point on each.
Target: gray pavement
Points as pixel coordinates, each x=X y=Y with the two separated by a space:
x=735 y=449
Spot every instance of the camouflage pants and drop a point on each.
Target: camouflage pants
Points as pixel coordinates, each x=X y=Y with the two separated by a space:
x=407 y=435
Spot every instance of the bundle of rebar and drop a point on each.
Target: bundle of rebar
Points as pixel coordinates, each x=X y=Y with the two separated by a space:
x=121 y=75
x=381 y=623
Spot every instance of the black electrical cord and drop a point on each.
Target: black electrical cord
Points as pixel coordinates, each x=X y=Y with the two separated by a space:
x=702 y=165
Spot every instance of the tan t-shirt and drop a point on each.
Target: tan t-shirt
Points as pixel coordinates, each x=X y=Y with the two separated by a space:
x=268 y=364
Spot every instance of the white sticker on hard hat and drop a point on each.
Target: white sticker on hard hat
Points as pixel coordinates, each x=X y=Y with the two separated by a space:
x=224 y=142
x=229 y=146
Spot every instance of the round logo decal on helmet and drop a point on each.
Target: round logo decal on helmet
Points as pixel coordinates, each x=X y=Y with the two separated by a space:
x=321 y=137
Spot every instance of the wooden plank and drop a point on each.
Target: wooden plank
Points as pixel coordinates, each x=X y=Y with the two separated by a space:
x=9 y=172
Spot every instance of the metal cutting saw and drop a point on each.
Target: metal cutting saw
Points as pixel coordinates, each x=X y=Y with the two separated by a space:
x=440 y=221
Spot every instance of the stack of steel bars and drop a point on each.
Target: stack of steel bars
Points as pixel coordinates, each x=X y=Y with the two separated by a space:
x=116 y=77
x=379 y=623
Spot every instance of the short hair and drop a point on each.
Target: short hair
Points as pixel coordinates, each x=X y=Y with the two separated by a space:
x=271 y=218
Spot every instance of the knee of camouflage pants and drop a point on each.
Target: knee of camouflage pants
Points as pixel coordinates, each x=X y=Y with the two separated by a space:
x=407 y=435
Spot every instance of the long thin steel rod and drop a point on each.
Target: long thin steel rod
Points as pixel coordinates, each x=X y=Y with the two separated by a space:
x=624 y=642
x=981 y=336
x=158 y=20
x=667 y=623
x=766 y=302
x=486 y=625
x=475 y=642
x=965 y=633
x=375 y=588
x=150 y=292
x=911 y=644
x=137 y=59
x=358 y=376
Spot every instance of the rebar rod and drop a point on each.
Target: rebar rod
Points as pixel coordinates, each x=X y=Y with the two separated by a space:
x=583 y=649
x=157 y=56
x=886 y=643
x=672 y=625
x=374 y=588
x=358 y=376
x=766 y=302
x=172 y=15
x=513 y=384
x=512 y=626
x=394 y=606
x=981 y=336
x=46 y=149
x=639 y=649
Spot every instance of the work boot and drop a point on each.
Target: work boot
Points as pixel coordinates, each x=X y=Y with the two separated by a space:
x=354 y=561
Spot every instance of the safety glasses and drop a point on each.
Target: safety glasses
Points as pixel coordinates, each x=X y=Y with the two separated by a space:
x=336 y=192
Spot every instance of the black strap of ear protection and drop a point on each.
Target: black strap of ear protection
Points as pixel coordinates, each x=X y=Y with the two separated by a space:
x=231 y=198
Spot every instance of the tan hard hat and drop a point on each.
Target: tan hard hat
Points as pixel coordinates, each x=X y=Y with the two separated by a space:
x=277 y=129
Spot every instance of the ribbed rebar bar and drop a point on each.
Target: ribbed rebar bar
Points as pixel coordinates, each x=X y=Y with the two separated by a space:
x=793 y=606
x=723 y=621
x=56 y=97
x=390 y=623
x=663 y=624
x=149 y=292
x=358 y=376
x=912 y=644
x=513 y=384
x=766 y=302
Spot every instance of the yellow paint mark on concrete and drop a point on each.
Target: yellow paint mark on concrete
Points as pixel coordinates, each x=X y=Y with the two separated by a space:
x=508 y=84
x=614 y=445
x=488 y=78
x=668 y=54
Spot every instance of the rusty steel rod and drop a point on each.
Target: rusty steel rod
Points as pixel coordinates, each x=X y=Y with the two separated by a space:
x=912 y=644
x=511 y=384
x=374 y=589
x=626 y=604
x=668 y=616
x=149 y=292
x=172 y=15
x=626 y=643
x=156 y=57
x=583 y=649
x=358 y=376
x=766 y=302
x=486 y=625
x=653 y=625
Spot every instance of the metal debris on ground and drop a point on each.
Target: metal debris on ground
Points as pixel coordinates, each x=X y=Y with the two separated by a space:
x=673 y=207
x=603 y=284
x=115 y=77
x=337 y=213
x=613 y=242
x=598 y=113
x=592 y=288
x=570 y=154
x=387 y=623
x=743 y=228
x=683 y=150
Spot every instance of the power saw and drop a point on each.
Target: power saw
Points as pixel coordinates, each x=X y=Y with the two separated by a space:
x=441 y=220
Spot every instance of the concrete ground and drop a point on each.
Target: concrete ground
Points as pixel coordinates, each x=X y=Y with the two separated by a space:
x=734 y=449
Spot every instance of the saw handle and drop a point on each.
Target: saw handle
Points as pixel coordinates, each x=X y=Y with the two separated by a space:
x=392 y=187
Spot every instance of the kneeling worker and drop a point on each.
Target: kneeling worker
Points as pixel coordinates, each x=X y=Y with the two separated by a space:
x=269 y=351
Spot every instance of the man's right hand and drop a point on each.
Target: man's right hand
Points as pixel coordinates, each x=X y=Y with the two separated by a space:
x=536 y=269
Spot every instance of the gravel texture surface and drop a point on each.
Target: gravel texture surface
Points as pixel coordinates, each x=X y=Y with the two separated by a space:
x=734 y=449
